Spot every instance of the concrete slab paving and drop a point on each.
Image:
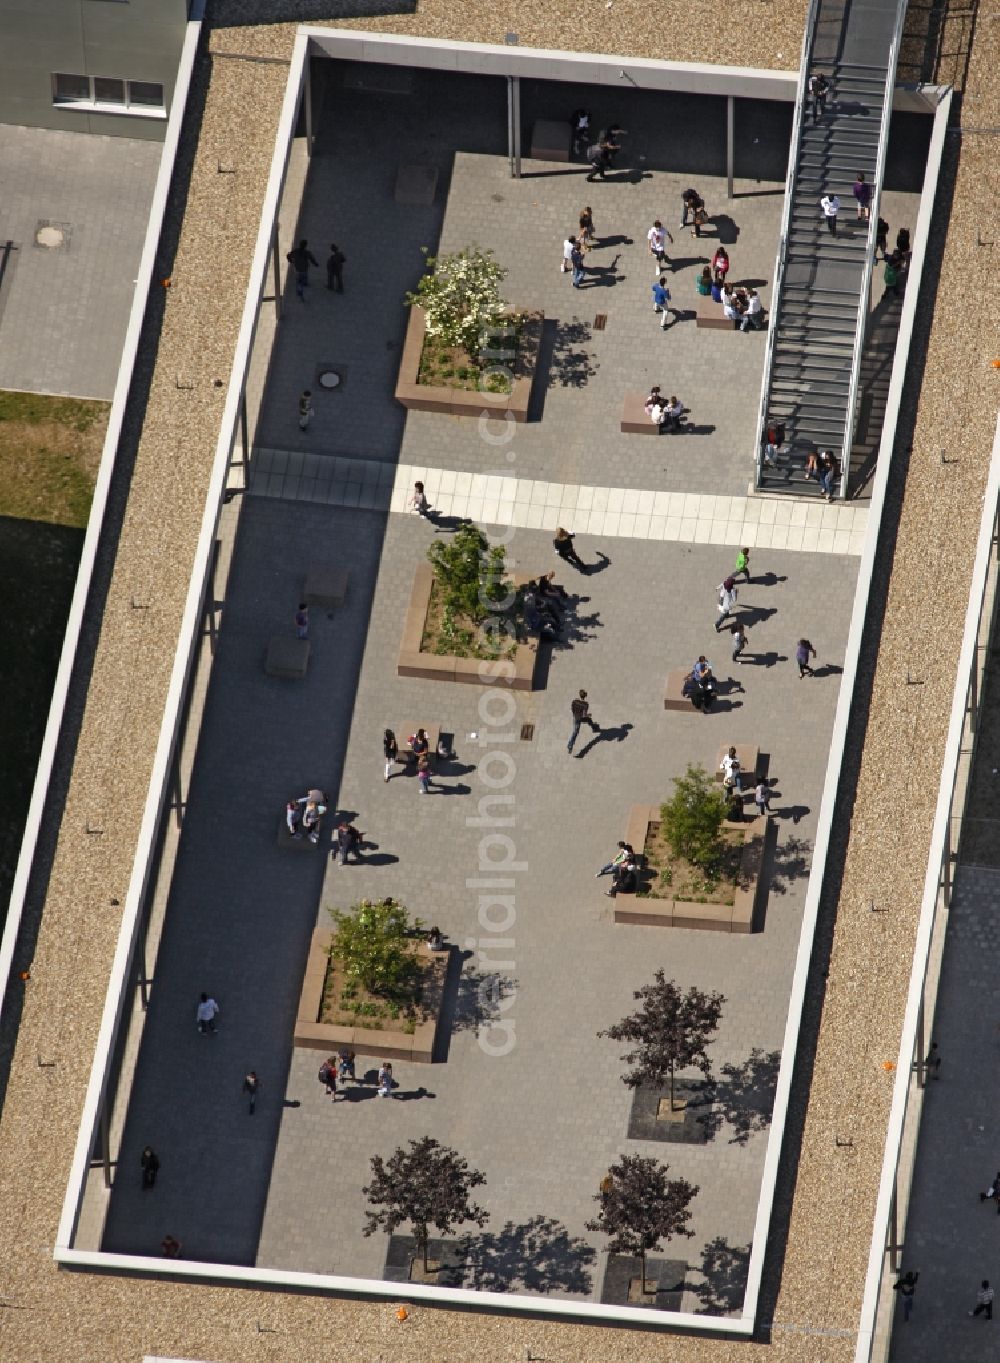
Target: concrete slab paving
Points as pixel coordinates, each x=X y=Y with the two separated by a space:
x=64 y=306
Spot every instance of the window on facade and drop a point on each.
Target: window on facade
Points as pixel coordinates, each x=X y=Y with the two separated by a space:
x=146 y=93
x=106 y=92
x=71 y=88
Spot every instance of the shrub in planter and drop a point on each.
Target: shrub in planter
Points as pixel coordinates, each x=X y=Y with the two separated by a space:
x=471 y=575
x=692 y=820
x=460 y=296
x=374 y=945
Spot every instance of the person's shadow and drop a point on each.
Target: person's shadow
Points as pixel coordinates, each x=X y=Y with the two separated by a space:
x=615 y=735
x=589 y=569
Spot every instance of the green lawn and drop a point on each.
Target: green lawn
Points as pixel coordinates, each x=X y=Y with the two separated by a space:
x=49 y=452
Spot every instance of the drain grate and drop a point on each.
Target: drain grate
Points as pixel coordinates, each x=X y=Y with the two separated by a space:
x=600 y=321
x=527 y=733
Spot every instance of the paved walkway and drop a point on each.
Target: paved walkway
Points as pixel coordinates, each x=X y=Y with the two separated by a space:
x=632 y=513
x=75 y=206
x=950 y=1235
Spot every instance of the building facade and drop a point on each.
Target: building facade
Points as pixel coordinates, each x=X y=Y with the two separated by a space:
x=102 y=66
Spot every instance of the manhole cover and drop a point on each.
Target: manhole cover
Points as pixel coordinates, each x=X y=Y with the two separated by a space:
x=52 y=235
x=330 y=379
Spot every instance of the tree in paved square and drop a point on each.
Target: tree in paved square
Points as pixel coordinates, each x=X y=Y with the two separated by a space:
x=428 y=1185
x=692 y=820
x=461 y=299
x=640 y=1206
x=668 y=1032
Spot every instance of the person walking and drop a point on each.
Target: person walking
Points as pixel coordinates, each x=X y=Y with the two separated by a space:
x=828 y=469
x=830 y=204
x=312 y=815
x=727 y=600
x=335 y=268
x=300 y=258
x=993 y=1191
x=579 y=124
x=580 y=710
x=739 y=637
x=328 y=1075
x=587 y=236
x=984 y=1300
x=206 y=1013
x=906 y=1286
x=661 y=298
x=657 y=237
x=621 y=856
x=881 y=238
x=302 y=620
x=251 y=1085
x=862 y=196
x=418 y=500
x=743 y=563
x=579 y=268
x=891 y=277
x=423 y=774
x=390 y=751
x=803 y=652
x=305 y=409
x=819 y=88
x=563 y=544
x=932 y=1064
x=385 y=1081
x=752 y=319
x=599 y=156
x=149 y=1165
x=569 y=246
x=348 y=841
x=693 y=203
x=762 y=798
x=731 y=772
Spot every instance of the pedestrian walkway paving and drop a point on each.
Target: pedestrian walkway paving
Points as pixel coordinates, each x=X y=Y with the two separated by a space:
x=629 y=513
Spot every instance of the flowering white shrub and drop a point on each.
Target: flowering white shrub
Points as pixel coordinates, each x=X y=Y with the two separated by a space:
x=460 y=296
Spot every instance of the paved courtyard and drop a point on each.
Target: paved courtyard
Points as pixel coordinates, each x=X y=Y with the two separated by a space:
x=544 y=1120
x=65 y=297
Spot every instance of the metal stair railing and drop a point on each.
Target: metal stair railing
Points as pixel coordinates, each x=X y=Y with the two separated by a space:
x=866 y=278
x=786 y=221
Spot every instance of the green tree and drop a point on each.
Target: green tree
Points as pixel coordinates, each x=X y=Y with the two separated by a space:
x=692 y=819
x=669 y=1032
x=460 y=296
x=471 y=574
x=640 y=1206
x=427 y=1185
x=374 y=944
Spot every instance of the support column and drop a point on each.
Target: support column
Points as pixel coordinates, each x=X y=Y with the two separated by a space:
x=276 y=257
x=514 y=126
x=730 y=141
x=894 y=1246
x=307 y=100
x=921 y=1048
x=244 y=436
x=105 y=1144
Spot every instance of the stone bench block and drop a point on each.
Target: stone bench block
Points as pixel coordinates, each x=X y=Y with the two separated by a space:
x=634 y=419
x=287 y=657
x=711 y=316
x=673 y=690
x=325 y=587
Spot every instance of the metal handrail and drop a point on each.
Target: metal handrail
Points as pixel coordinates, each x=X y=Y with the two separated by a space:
x=866 y=277
x=786 y=222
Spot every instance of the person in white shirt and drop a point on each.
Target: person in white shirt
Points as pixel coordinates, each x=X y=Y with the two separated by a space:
x=208 y=1011
x=830 y=205
x=672 y=414
x=569 y=245
x=730 y=311
x=658 y=236
x=752 y=317
x=730 y=768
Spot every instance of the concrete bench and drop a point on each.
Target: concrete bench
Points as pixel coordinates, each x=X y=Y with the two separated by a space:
x=550 y=140
x=748 y=755
x=709 y=314
x=673 y=690
x=634 y=420
x=325 y=586
x=405 y=732
x=287 y=657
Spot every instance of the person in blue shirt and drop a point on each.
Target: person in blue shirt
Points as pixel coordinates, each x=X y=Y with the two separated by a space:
x=661 y=298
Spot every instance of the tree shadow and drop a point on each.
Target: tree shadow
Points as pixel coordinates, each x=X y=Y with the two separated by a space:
x=787 y=861
x=477 y=998
x=742 y=1096
x=564 y=358
x=618 y=734
x=538 y=1255
x=725 y=1268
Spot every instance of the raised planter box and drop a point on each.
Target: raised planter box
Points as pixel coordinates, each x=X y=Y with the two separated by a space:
x=323 y=1036
x=423 y=397
x=686 y=913
x=518 y=672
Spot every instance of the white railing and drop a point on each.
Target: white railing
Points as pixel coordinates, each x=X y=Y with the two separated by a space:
x=861 y=329
x=786 y=222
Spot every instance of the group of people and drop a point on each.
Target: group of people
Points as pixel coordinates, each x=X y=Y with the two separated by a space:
x=667 y=415
x=340 y=1067
x=821 y=465
x=576 y=246
x=304 y=818
x=601 y=152
x=543 y=601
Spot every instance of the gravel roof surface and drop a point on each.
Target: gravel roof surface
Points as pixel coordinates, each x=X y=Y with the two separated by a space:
x=895 y=751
